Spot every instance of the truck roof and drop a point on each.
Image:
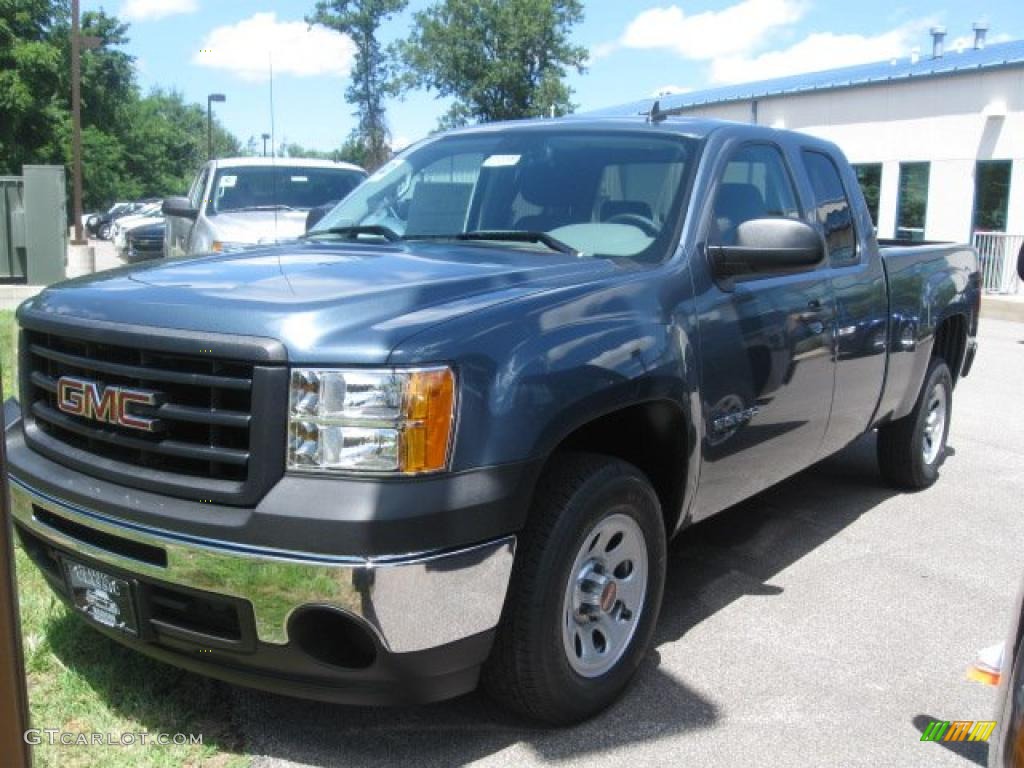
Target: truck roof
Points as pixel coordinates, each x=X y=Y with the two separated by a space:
x=693 y=127
x=283 y=162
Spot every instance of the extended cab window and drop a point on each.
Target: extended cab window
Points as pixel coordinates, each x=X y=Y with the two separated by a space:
x=604 y=194
x=833 y=208
x=755 y=185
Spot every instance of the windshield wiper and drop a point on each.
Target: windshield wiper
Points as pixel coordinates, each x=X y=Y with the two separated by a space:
x=506 y=235
x=355 y=231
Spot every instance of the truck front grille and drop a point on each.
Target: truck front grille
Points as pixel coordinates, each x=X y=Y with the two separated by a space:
x=205 y=446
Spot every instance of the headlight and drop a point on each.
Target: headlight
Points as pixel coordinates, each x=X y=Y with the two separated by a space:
x=350 y=420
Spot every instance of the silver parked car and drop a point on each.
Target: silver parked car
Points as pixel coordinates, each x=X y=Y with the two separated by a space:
x=237 y=203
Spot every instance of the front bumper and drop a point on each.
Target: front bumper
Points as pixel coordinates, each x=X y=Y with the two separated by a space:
x=429 y=618
x=412 y=603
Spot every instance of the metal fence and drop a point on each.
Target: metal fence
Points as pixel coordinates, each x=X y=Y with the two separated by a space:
x=998 y=253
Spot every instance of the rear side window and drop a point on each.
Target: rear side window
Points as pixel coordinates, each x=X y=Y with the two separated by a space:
x=833 y=208
x=755 y=185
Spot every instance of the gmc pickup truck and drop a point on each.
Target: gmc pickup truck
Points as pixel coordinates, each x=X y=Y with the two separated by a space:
x=444 y=437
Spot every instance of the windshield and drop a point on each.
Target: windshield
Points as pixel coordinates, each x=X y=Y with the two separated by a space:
x=604 y=194
x=267 y=187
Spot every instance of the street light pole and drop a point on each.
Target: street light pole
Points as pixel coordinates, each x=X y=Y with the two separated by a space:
x=218 y=97
x=266 y=137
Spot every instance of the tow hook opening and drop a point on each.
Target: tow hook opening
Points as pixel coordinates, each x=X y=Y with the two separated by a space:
x=332 y=637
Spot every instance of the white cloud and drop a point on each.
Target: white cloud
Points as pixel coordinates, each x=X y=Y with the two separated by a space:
x=816 y=52
x=298 y=49
x=734 y=30
x=150 y=10
x=670 y=90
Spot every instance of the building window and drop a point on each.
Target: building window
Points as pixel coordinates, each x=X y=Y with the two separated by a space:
x=870 y=177
x=833 y=207
x=913 y=201
x=991 y=195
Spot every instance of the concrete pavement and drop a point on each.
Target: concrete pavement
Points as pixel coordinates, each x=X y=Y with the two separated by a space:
x=824 y=622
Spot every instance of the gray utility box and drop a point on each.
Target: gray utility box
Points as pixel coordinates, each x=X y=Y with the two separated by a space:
x=33 y=226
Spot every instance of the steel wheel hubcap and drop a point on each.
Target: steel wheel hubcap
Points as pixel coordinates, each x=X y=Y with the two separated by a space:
x=934 y=424
x=604 y=598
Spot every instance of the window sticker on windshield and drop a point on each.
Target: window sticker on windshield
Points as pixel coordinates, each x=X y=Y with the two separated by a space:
x=501 y=161
x=226 y=182
x=300 y=179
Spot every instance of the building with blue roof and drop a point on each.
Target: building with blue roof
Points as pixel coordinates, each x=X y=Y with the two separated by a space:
x=937 y=138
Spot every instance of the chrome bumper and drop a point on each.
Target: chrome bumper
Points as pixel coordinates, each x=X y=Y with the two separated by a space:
x=412 y=602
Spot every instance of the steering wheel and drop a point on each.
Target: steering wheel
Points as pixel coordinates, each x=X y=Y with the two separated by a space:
x=642 y=223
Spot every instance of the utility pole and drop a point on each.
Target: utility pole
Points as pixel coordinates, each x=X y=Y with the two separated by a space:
x=218 y=97
x=76 y=121
x=77 y=44
x=13 y=694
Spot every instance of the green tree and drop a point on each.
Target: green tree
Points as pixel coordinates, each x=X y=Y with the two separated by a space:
x=498 y=59
x=373 y=72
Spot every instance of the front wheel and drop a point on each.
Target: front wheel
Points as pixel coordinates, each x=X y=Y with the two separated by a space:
x=585 y=592
x=911 y=450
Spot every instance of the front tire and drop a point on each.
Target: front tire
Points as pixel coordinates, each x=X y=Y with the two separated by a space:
x=585 y=592
x=911 y=449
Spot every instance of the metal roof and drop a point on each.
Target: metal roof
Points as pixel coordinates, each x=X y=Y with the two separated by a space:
x=993 y=56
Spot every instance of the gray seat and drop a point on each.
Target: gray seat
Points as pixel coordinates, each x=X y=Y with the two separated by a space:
x=736 y=203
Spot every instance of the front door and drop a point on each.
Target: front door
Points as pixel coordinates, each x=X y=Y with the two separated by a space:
x=765 y=345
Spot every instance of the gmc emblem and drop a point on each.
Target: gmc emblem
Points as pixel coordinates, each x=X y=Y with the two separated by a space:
x=88 y=399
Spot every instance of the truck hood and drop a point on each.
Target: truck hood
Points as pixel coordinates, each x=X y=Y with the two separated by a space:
x=328 y=304
x=258 y=227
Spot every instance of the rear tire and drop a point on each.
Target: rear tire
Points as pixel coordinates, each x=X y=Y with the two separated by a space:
x=585 y=592
x=911 y=450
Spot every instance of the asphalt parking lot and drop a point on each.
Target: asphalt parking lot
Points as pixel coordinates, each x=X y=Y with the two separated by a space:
x=824 y=622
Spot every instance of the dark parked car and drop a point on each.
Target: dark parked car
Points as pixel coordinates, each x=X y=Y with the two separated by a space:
x=1006 y=749
x=99 y=226
x=145 y=243
x=445 y=437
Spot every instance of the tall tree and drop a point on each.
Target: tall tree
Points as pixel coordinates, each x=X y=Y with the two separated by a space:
x=498 y=59
x=373 y=73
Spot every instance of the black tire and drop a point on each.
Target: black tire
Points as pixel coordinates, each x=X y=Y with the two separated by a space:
x=902 y=455
x=104 y=233
x=529 y=670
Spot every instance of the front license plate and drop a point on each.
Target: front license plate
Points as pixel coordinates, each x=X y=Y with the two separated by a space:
x=103 y=598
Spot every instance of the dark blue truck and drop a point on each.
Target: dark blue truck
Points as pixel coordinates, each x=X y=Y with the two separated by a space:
x=444 y=438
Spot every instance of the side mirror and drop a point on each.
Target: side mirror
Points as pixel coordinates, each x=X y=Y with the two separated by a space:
x=180 y=207
x=768 y=245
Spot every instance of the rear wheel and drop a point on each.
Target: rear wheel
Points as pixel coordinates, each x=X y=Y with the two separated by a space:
x=585 y=592
x=911 y=450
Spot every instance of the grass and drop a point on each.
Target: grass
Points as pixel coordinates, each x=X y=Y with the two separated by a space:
x=80 y=681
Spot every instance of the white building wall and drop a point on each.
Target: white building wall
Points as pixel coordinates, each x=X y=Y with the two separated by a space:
x=950 y=121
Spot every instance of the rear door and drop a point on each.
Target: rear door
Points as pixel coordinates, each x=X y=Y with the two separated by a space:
x=858 y=284
x=765 y=344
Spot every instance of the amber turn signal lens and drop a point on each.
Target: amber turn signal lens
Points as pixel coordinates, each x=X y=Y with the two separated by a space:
x=429 y=412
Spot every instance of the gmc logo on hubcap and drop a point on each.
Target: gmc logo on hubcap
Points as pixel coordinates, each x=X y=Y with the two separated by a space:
x=81 y=397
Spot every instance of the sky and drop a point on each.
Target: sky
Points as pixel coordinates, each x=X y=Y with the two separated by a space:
x=638 y=48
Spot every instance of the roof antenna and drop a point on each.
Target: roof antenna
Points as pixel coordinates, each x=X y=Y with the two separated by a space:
x=656 y=115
